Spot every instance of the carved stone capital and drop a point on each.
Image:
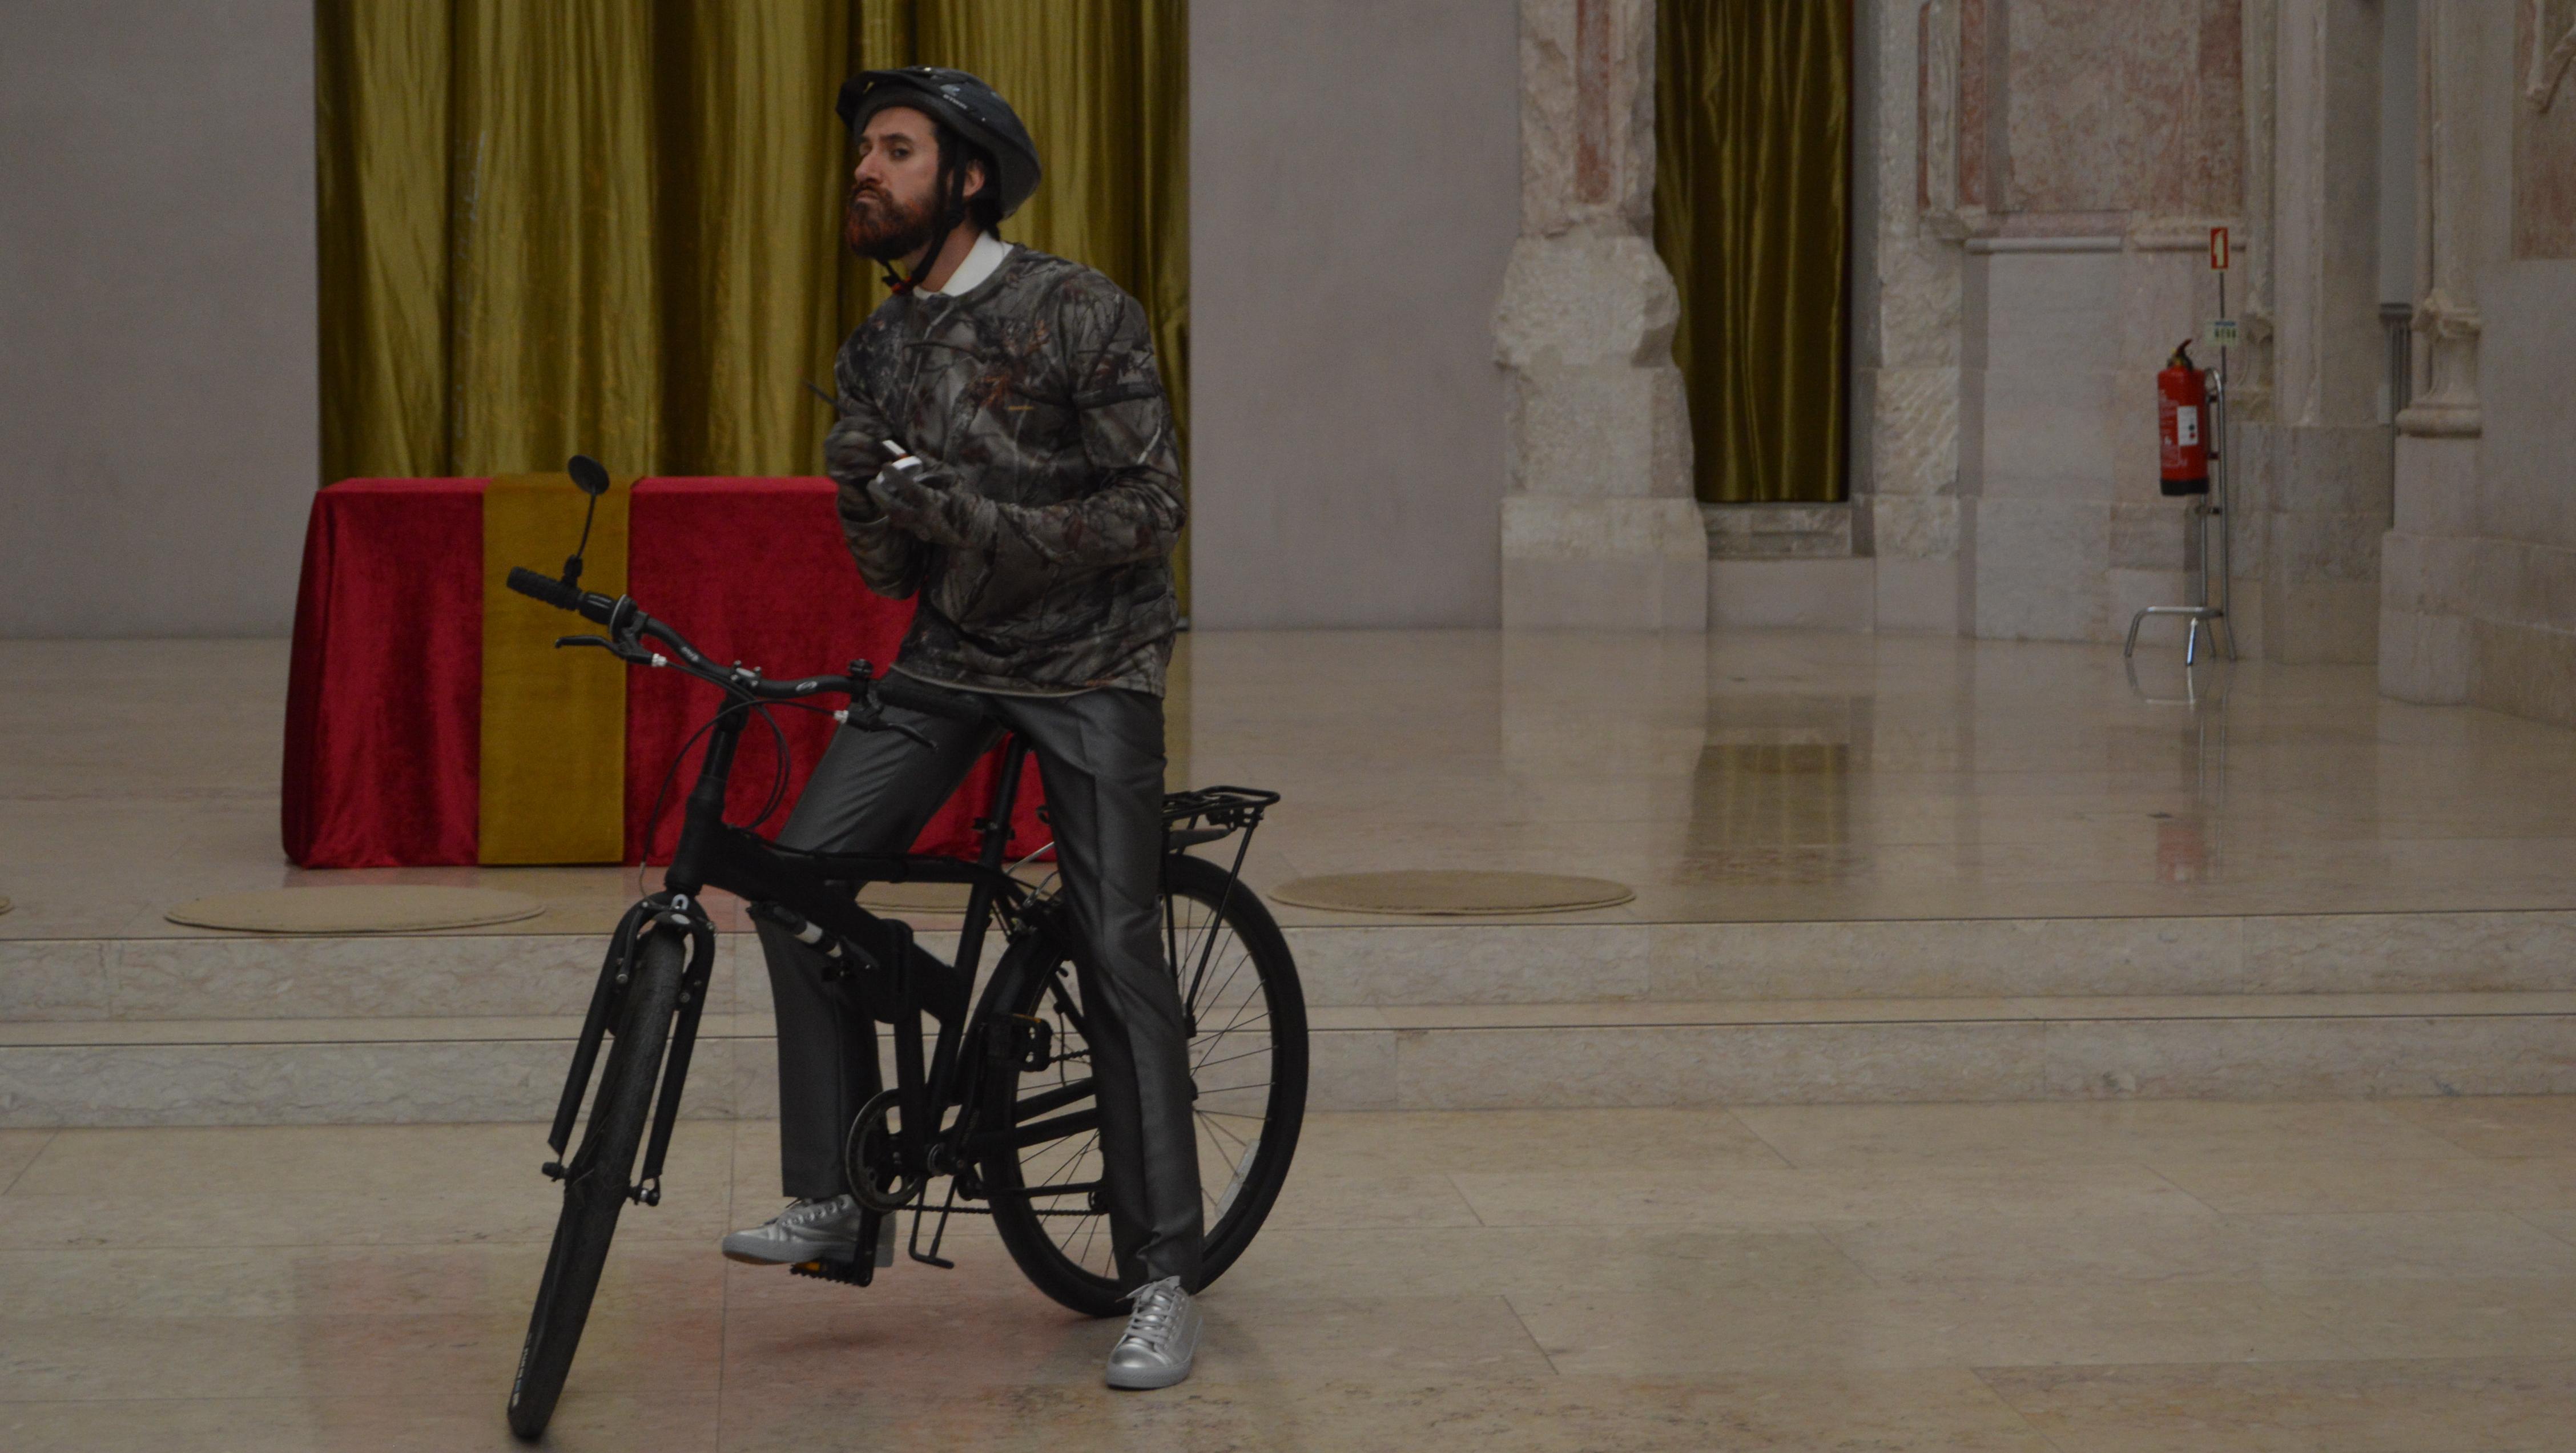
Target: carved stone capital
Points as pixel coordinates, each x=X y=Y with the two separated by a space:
x=2446 y=350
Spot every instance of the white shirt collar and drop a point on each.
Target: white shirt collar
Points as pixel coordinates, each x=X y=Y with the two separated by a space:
x=982 y=260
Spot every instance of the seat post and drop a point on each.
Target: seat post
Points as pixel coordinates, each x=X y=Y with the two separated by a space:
x=996 y=848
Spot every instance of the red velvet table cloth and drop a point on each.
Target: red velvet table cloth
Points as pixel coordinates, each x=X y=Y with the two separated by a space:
x=384 y=696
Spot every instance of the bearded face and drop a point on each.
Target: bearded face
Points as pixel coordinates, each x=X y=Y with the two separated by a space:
x=877 y=224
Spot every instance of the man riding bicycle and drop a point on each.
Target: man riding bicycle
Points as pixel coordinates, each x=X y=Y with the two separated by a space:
x=1005 y=456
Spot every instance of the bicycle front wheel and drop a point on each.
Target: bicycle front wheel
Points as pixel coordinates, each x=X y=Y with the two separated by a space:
x=1247 y=1017
x=596 y=1179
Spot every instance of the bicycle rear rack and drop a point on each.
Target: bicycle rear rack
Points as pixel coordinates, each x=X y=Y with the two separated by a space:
x=1211 y=814
x=1226 y=807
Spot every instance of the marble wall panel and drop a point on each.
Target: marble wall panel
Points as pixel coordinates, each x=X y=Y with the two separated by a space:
x=2526 y=366
x=2427 y=574
x=2425 y=658
x=2050 y=311
x=2134 y=107
x=1913 y=416
x=2157 y=536
x=413 y=1082
x=2041 y=569
x=2046 y=435
x=1525 y=964
x=53 y=979
x=2401 y=952
x=1919 y=528
x=1715 y=1065
x=2326 y=469
x=2526 y=670
x=273 y=978
x=2319 y=1058
x=1947 y=958
x=2544 y=130
x=2339 y=547
x=2531 y=585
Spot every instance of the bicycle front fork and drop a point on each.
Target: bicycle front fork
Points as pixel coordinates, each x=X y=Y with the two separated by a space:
x=660 y=913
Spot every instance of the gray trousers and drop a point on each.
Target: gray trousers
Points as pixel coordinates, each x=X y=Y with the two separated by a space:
x=1100 y=756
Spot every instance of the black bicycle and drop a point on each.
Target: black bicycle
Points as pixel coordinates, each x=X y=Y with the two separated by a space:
x=1002 y=1110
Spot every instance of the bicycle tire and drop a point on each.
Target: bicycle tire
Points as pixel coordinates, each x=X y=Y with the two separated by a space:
x=1081 y=1276
x=596 y=1180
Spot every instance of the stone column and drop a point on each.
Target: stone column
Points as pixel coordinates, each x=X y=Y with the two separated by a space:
x=2323 y=463
x=2249 y=381
x=1908 y=216
x=1599 y=528
x=2426 y=641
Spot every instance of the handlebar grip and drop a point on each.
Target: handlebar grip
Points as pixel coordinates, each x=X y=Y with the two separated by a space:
x=912 y=695
x=545 y=588
x=555 y=593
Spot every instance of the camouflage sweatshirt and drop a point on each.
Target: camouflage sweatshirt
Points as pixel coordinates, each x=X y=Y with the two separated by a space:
x=1039 y=543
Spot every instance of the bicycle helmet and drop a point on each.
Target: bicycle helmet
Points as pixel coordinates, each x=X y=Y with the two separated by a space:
x=963 y=104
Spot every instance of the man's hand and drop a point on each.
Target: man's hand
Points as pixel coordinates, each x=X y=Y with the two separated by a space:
x=925 y=501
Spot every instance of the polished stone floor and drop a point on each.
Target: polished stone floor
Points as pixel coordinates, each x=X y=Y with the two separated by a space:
x=2145 y=1277
x=1744 y=776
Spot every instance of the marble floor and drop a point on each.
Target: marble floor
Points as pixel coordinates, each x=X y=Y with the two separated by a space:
x=2144 y=1277
x=1741 y=776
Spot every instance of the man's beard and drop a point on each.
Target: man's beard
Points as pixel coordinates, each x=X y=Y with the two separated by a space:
x=875 y=225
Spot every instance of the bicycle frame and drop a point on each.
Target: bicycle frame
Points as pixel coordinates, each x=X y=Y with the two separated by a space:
x=818 y=887
x=903 y=982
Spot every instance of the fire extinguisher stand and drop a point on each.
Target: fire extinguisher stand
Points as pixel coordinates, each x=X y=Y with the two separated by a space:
x=2206 y=510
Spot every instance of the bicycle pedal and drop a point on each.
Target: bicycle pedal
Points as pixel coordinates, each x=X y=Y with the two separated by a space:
x=849 y=1273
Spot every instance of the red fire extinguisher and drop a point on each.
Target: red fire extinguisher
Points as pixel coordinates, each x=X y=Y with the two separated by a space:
x=2182 y=424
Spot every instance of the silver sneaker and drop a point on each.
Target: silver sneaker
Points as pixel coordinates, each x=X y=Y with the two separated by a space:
x=1162 y=1337
x=805 y=1231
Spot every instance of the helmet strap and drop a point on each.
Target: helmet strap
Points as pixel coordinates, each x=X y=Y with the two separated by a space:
x=950 y=185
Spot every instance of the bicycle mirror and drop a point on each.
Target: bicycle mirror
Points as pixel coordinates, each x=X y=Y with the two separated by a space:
x=589 y=474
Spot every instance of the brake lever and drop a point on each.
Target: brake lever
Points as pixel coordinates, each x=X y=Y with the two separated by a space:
x=623 y=652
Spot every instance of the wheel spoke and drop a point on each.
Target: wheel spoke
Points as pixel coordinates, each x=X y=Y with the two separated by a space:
x=1209 y=941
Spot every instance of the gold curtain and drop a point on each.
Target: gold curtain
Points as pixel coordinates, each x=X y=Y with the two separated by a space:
x=613 y=227
x=1752 y=214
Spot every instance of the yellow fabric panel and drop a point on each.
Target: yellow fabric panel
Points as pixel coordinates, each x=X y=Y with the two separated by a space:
x=1752 y=204
x=554 y=722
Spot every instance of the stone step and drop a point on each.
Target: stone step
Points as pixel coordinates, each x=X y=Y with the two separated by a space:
x=1392 y=964
x=1613 y=1053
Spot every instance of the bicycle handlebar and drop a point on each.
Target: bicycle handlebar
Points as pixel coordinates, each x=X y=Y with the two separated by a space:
x=627 y=624
x=553 y=592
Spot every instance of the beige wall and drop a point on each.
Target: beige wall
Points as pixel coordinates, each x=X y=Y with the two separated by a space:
x=157 y=388
x=1354 y=193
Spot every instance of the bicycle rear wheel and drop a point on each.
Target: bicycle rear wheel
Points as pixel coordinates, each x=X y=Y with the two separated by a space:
x=596 y=1180
x=1247 y=1017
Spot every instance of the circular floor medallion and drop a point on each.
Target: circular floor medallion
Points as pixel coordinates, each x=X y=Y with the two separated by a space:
x=358 y=908
x=5 y=904
x=1441 y=891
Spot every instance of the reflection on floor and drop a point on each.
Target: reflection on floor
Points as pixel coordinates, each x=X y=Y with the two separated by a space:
x=1779 y=776
x=2006 y=1278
